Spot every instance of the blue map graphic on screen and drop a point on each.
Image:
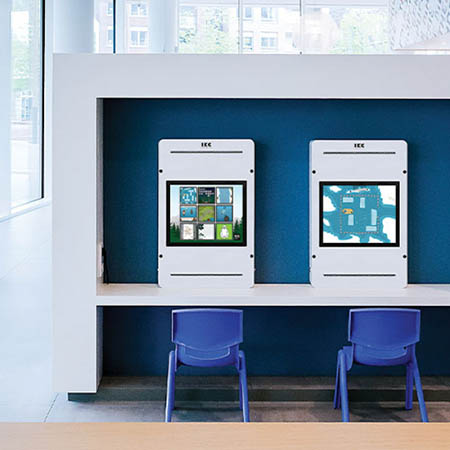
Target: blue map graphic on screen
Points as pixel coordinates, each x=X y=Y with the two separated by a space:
x=224 y=213
x=364 y=214
x=188 y=195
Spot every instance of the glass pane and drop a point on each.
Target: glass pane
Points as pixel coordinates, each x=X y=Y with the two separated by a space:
x=420 y=26
x=346 y=29
x=103 y=26
x=208 y=27
x=271 y=26
x=137 y=26
x=26 y=101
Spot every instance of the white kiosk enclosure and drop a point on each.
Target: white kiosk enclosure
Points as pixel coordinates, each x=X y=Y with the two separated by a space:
x=206 y=213
x=358 y=214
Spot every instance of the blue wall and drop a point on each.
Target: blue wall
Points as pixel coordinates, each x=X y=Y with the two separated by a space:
x=281 y=130
x=277 y=341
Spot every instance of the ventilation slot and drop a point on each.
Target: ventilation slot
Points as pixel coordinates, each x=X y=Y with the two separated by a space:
x=359 y=275
x=210 y=152
x=359 y=153
x=219 y=275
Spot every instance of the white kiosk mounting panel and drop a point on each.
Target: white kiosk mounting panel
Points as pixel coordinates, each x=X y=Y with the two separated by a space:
x=206 y=213
x=358 y=214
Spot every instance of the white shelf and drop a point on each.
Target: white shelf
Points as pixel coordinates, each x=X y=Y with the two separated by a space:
x=271 y=295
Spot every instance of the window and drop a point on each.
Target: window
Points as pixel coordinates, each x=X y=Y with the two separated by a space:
x=138 y=38
x=26 y=107
x=347 y=29
x=110 y=36
x=248 y=13
x=103 y=26
x=26 y=175
x=286 y=26
x=248 y=42
x=188 y=19
x=211 y=27
x=138 y=9
x=268 y=14
x=269 y=41
x=302 y=26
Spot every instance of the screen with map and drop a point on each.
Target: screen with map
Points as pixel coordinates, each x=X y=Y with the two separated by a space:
x=206 y=213
x=359 y=214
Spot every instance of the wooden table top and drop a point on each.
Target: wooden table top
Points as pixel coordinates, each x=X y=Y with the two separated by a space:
x=218 y=436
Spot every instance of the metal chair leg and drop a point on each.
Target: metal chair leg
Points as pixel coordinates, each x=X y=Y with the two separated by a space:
x=243 y=384
x=337 y=393
x=170 y=397
x=343 y=387
x=409 y=387
x=420 y=397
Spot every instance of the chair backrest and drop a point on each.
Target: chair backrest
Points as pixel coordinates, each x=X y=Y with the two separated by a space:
x=207 y=329
x=384 y=328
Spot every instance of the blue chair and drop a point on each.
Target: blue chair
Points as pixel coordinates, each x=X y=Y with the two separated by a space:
x=381 y=337
x=207 y=338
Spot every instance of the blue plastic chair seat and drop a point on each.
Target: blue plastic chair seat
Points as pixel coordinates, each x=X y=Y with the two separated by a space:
x=381 y=337
x=207 y=338
x=206 y=358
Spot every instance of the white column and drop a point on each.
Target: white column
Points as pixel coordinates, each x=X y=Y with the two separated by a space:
x=5 y=107
x=121 y=26
x=74 y=26
x=163 y=20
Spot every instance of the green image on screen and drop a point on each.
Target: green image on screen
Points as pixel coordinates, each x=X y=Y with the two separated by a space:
x=219 y=219
x=206 y=213
x=224 y=232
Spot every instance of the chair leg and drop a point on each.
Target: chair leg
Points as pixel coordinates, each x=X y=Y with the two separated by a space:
x=409 y=387
x=420 y=398
x=337 y=394
x=170 y=397
x=240 y=391
x=243 y=386
x=343 y=387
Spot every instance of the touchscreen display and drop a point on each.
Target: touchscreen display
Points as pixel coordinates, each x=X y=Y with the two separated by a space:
x=363 y=213
x=206 y=213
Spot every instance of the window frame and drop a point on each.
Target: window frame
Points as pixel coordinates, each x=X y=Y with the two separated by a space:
x=244 y=11
x=42 y=98
x=270 y=35
x=139 y=9
x=242 y=6
x=139 y=32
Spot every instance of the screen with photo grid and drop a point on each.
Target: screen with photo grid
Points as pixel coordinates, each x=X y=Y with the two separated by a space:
x=206 y=213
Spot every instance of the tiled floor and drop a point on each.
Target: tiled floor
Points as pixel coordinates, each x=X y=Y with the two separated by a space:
x=25 y=317
x=104 y=411
x=25 y=354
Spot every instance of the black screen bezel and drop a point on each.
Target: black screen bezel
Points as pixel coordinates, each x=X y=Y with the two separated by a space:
x=360 y=183
x=219 y=183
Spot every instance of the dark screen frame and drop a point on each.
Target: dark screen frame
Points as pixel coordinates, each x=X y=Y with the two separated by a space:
x=360 y=183
x=219 y=183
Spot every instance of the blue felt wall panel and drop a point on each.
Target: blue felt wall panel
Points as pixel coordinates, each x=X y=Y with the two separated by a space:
x=282 y=341
x=282 y=130
x=136 y=340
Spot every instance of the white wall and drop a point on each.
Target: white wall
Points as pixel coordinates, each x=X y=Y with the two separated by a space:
x=80 y=80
